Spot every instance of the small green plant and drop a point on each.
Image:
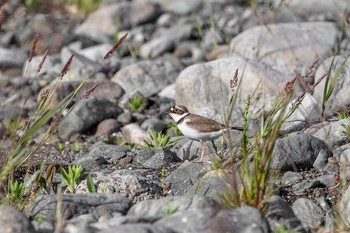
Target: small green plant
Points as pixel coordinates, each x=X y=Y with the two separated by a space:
x=39 y=218
x=136 y=102
x=343 y=115
x=90 y=184
x=85 y=5
x=16 y=191
x=72 y=177
x=282 y=229
x=60 y=147
x=160 y=140
x=76 y=147
x=171 y=209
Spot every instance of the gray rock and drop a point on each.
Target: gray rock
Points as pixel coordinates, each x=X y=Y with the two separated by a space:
x=310 y=214
x=297 y=43
x=168 y=92
x=125 y=118
x=87 y=113
x=290 y=178
x=43 y=226
x=204 y=88
x=212 y=38
x=171 y=205
x=307 y=111
x=333 y=134
x=339 y=97
x=311 y=183
x=81 y=223
x=88 y=58
x=93 y=53
x=155 y=159
x=188 y=221
x=75 y=204
x=153 y=123
x=280 y=212
x=148 y=77
x=12 y=220
x=185 y=176
x=344 y=205
x=107 y=127
x=127 y=13
x=156 y=47
x=297 y=151
x=136 y=227
x=105 y=89
x=181 y=7
x=120 y=221
x=241 y=220
x=189 y=150
x=209 y=187
x=321 y=160
x=311 y=8
x=134 y=134
x=12 y=57
x=31 y=69
x=12 y=112
x=181 y=30
x=138 y=184
x=99 y=155
x=165 y=20
x=343 y=155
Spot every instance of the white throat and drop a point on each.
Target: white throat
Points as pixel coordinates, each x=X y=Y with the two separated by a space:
x=177 y=117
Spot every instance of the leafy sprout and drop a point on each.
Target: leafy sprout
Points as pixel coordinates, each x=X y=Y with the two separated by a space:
x=136 y=102
x=160 y=140
x=72 y=177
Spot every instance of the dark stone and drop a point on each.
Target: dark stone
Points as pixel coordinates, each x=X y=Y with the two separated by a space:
x=297 y=152
x=75 y=204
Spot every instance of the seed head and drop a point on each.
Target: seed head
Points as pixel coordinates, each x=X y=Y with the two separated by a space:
x=115 y=46
x=35 y=42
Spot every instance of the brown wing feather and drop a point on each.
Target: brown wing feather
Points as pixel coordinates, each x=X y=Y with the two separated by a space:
x=207 y=125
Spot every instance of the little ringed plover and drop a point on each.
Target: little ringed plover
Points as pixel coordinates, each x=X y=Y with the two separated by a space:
x=198 y=127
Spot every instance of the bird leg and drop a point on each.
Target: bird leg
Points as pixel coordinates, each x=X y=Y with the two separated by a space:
x=203 y=148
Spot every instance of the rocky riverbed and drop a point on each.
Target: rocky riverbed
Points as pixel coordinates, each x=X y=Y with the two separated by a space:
x=176 y=52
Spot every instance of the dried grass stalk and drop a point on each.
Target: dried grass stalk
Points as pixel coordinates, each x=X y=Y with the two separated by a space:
x=1 y=17
x=115 y=46
x=42 y=61
x=35 y=42
x=89 y=91
x=66 y=66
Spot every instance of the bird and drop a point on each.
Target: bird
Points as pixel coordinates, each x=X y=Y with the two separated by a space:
x=198 y=127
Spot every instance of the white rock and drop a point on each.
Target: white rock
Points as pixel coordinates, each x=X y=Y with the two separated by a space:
x=340 y=97
x=286 y=47
x=204 y=88
x=134 y=134
x=307 y=111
